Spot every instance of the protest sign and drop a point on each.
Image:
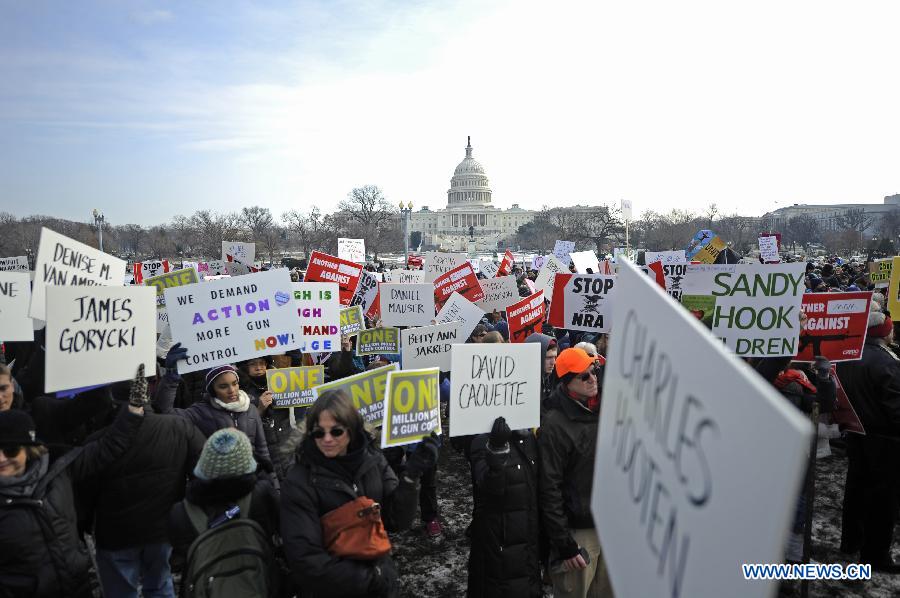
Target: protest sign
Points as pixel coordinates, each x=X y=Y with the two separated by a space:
x=175 y=278
x=378 y=341
x=698 y=242
x=352 y=320
x=582 y=302
x=586 y=262
x=66 y=262
x=98 y=335
x=233 y=319
x=429 y=346
x=754 y=308
x=666 y=257
x=366 y=390
x=546 y=277
x=458 y=308
x=562 y=249
x=320 y=315
x=462 y=280
x=506 y=264
x=15 y=296
x=537 y=262
x=488 y=381
x=836 y=325
x=525 y=317
x=844 y=414
x=412 y=407
x=476 y=265
x=148 y=269
x=498 y=293
x=215 y=268
x=893 y=293
x=328 y=268
x=880 y=273
x=441 y=262
x=239 y=268
x=674 y=275
x=489 y=268
x=408 y=276
x=14 y=264
x=162 y=321
x=366 y=293
x=768 y=249
x=352 y=250
x=292 y=387
x=672 y=464
x=407 y=304
x=238 y=251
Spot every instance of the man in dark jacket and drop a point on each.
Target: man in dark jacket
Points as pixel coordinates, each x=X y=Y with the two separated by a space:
x=568 y=442
x=873 y=469
x=548 y=361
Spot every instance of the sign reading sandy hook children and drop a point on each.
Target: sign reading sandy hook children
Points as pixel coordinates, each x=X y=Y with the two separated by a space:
x=492 y=380
x=320 y=316
x=62 y=261
x=582 y=302
x=672 y=463
x=754 y=308
x=233 y=319
x=836 y=325
x=412 y=407
x=366 y=390
x=99 y=335
x=15 y=295
x=407 y=304
x=328 y=268
x=292 y=387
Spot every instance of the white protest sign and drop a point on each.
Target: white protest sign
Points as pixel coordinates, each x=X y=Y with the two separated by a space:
x=561 y=251
x=239 y=251
x=583 y=302
x=546 y=278
x=412 y=407
x=754 y=308
x=65 y=262
x=440 y=262
x=14 y=264
x=409 y=276
x=407 y=304
x=162 y=321
x=352 y=250
x=499 y=293
x=15 y=296
x=666 y=257
x=476 y=265
x=429 y=346
x=492 y=380
x=215 y=268
x=489 y=268
x=98 y=335
x=458 y=308
x=234 y=319
x=768 y=249
x=238 y=268
x=672 y=466
x=537 y=262
x=319 y=308
x=366 y=291
x=586 y=260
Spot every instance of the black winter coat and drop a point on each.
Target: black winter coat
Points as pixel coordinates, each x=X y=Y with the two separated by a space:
x=312 y=490
x=276 y=426
x=505 y=559
x=41 y=554
x=568 y=443
x=873 y=387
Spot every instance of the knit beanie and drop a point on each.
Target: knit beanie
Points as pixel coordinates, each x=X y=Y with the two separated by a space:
x=226 y=454
x=214 y=373
x=880 y=325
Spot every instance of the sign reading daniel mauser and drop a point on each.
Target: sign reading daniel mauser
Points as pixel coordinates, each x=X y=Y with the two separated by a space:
x=678 y=500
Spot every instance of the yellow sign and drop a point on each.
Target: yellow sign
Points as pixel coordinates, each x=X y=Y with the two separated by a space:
x=176 y=278
x=366 y=390
x=710 y=251
x=880 y=272
x=412 y=406
x=352 y=320
x=893 y=297
x=378 y=341
x=292 y=387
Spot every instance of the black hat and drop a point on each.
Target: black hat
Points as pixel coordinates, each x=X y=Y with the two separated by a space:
x=17 y=429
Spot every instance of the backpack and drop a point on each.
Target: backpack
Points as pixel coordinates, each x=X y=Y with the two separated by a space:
x=232 y=560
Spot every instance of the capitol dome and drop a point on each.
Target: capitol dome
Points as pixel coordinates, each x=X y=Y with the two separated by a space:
x=469 y=185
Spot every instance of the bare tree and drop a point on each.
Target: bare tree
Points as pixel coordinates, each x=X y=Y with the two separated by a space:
x=802 y=229
x=738 y=231
x=599 y=226
x=213 y=228
x=311 y=230
x=367 y=208
x=132 y=238
x=856 y=220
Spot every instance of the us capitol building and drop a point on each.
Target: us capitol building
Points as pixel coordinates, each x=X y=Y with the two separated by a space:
x=470 y=221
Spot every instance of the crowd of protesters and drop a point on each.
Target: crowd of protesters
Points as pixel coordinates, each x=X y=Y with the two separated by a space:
x=199 y=474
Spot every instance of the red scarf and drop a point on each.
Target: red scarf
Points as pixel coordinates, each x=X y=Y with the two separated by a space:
x=593 y=403
x=788 y=376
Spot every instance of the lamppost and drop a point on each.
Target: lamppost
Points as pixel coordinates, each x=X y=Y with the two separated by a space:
x=98 y=220
x=405 y=212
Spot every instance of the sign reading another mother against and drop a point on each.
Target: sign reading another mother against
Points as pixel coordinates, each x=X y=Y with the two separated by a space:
x=99 y=335
x=493 y=380
x=65 y=262
x=328 y=268
x=233 y=319
x=407 y=304
x=672 y=465
x=15 y=295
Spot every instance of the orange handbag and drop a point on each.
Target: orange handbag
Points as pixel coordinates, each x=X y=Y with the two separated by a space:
x=355 y=531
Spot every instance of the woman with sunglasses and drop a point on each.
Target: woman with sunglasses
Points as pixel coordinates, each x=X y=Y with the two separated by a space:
x=336 y=463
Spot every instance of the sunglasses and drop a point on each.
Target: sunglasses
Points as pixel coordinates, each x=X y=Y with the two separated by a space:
x=587 y=376
x=319 y=433
x=11 y=452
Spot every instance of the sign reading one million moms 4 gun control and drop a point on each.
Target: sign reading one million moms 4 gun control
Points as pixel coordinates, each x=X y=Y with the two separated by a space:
x=234 y=319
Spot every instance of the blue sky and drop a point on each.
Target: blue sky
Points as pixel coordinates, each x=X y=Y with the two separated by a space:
x=150 y=109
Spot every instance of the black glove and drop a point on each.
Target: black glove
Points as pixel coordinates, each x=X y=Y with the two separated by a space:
x=176 y=353
x=822 y=367
x=138 y=396
x=384 y=579
x=423 y=458
x=500 y=434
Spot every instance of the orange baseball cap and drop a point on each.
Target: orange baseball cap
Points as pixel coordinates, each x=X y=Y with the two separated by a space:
x=573 y=361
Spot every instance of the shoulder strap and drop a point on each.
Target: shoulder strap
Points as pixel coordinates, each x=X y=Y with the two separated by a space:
x=56 y=468
x=200 y=520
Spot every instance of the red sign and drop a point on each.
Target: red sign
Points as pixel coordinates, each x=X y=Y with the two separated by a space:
x=835 y=326
x=149 y=269
x=461 y=279
x=506 y=264
x=414 y=261
x=328 y=268
x=845 y=415
x=524 y=317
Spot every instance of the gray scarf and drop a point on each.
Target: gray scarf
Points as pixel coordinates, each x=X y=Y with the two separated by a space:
x=23 y=486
